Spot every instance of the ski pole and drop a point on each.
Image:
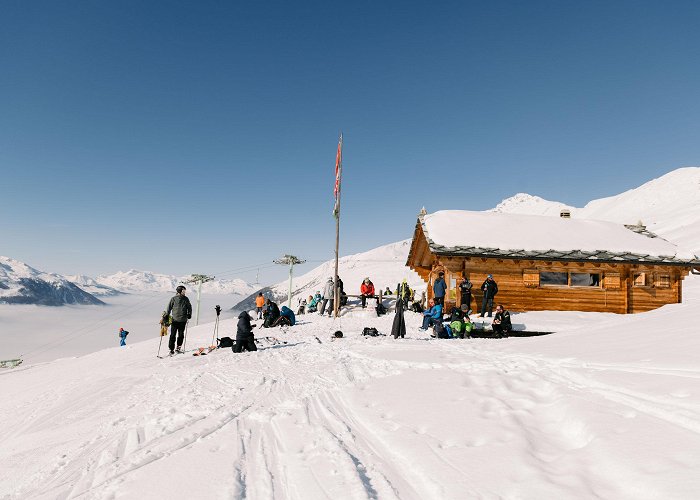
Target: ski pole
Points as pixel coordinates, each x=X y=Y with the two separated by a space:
x=159 y=344
x=216 y=324
x=184 y=341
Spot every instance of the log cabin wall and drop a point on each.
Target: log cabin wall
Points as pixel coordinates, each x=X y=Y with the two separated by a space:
x=623 y=288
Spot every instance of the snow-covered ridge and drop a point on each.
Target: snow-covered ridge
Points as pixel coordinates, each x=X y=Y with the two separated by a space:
x=669 y=206
x=135 y=281
x=22 y=284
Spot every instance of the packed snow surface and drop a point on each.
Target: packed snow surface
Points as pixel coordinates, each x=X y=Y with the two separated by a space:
x=606 y=407
x=453 y=228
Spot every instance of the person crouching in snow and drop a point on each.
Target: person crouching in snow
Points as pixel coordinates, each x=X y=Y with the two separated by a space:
x=122 y=336
x=245 y=340
x=286 y=317
x=432 y=316
x=501 y=323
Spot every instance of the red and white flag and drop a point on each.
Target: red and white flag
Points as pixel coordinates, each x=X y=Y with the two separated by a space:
x=338 y=175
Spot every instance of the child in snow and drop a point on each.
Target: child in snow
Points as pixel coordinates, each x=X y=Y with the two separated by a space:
x=122 y=336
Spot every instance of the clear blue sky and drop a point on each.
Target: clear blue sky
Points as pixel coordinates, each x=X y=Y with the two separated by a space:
x=184 y=137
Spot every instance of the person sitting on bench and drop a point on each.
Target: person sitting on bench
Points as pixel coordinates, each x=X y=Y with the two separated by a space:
x=501 y=322
x=366 y=291
x=432 y=316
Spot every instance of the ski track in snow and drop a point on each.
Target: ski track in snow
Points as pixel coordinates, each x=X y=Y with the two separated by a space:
x=360 y=418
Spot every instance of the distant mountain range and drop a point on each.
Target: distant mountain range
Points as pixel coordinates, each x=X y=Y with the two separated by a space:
x=22 y=284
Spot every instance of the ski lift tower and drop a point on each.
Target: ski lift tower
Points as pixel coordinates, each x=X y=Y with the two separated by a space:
x=198 y=278
x=289 y=260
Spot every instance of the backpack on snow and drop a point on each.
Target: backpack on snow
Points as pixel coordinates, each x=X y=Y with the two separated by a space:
x=370 y=332
x=225 y=342
x=441 y=331
x=380 y=309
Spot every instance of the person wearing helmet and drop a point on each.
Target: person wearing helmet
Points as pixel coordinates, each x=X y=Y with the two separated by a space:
x=181 y=310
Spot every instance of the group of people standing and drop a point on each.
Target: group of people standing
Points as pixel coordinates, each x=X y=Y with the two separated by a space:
x=489 y=288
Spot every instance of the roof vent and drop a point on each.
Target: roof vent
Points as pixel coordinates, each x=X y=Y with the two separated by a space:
x=565 y=214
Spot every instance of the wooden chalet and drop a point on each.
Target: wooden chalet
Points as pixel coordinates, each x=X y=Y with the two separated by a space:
x=549 y=263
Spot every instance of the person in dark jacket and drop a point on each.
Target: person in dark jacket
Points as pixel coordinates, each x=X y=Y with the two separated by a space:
x=122 y=336
x=286 y=317
x=272 y=312
x=245 y=340
x=501 y=323
x=465 y=292
x=181 y=310
x=439 y=289
x=490 y=289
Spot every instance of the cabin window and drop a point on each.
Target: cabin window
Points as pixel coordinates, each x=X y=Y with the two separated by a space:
x=663 y=281
x=640 y=279
x=548 y=278
x=585 y=279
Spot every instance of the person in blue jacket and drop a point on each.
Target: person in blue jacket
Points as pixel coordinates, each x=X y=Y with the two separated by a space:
x=286 y=317
x=432 y=316
x=439 y=288
x=122 y=336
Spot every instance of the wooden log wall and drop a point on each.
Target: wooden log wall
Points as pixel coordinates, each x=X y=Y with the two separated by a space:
x=517 y=291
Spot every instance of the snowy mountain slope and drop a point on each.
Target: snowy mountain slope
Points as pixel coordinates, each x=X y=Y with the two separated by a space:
x=385 y=266
x=22 y=284
x=134 y=281
x=600 y=409
x=669 y=206
x=523 y=203
x=91 y=286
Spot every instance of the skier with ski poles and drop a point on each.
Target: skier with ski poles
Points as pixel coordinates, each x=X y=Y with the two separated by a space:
x=181 y=309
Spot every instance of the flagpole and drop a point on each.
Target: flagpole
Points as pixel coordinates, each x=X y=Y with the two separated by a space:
x=339 y=174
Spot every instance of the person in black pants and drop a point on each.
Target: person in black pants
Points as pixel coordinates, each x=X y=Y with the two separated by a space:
x=501 y=323
x=245 y=340
x=465 y=292
x=181 y=311
x=490 y=289
x=439 y=289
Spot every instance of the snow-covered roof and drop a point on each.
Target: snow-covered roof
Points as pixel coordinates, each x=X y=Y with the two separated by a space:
x=533 y=236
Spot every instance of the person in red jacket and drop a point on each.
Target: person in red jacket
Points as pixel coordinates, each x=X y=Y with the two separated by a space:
x=366 y=290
